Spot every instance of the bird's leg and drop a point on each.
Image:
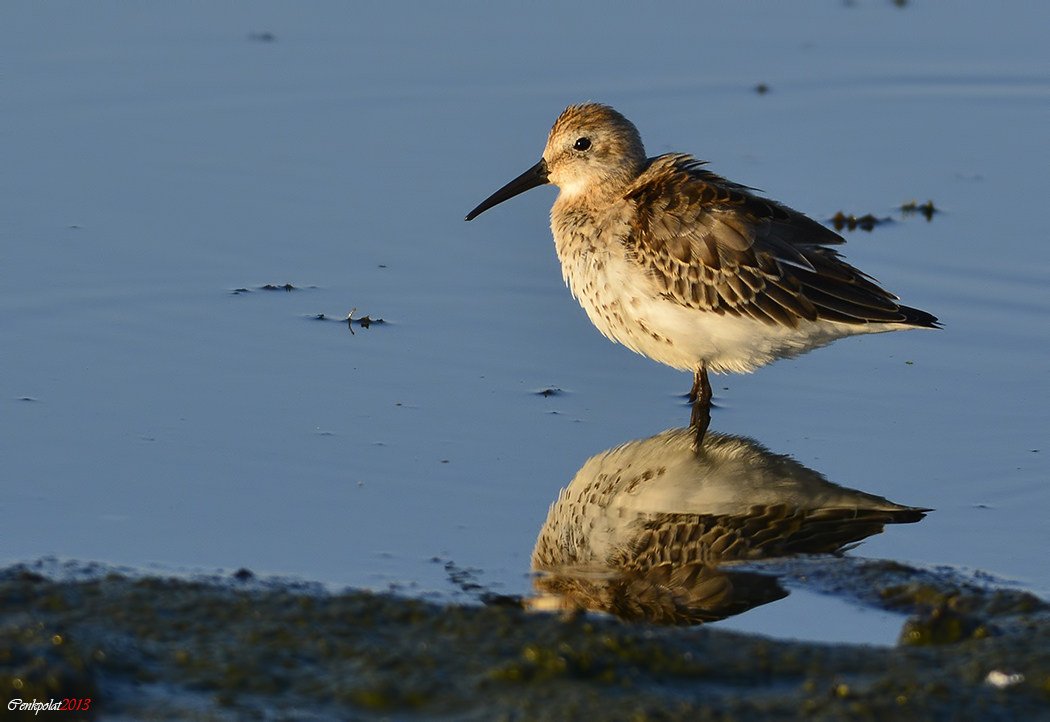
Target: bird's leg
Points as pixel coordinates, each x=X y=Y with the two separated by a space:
x=701 y=390
x=701 y=398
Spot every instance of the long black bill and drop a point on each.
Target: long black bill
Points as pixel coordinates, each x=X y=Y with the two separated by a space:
x=534 y=176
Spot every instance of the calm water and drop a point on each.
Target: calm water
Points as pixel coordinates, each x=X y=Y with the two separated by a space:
x=159 y=158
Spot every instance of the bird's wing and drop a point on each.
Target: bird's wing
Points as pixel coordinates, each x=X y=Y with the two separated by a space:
x=713 y=245
x=762 y=531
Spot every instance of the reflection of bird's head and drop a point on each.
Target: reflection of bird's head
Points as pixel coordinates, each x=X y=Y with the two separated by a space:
x=665 y=594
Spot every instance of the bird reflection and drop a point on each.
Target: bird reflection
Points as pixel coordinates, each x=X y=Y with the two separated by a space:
x=644 y=530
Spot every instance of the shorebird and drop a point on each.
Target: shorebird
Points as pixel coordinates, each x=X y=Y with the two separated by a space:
x=688 y=268
x=645 y=530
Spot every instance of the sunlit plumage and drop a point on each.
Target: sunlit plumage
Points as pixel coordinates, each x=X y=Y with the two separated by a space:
x=691 y=269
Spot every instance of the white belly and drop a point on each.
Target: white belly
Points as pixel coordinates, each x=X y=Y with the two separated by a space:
x=627 y=307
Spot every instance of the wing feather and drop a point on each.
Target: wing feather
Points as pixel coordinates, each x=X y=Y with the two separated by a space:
x=714 y=245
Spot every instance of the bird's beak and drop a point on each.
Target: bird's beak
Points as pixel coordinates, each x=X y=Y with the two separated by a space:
x=534 y=176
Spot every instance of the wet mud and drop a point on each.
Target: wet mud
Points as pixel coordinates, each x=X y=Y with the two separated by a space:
x=237 y=647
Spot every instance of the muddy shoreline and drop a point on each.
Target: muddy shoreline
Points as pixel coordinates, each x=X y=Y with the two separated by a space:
x=240 y=647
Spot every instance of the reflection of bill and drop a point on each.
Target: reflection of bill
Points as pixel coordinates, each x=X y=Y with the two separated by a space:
x=643 y=530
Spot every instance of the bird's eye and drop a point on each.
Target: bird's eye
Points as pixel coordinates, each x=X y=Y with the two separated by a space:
x=582 y=144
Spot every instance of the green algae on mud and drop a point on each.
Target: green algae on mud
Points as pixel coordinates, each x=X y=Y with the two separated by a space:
x=238 y=648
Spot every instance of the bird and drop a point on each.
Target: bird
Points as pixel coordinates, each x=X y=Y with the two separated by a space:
x=645 y=530
x=689 y=268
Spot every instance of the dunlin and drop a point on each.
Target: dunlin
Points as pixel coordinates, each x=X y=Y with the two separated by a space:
x=644 y=530
x=691 y=269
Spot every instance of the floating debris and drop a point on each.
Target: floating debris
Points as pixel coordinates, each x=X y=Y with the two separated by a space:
x=363 y=322
x=366 y=321
x=926 y=209
x=761 y=88
x=265 y=37
x=549 y=392
x=270 y=287
x=851 y=222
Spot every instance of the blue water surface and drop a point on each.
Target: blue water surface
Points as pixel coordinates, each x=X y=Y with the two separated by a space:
x=163 y=163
